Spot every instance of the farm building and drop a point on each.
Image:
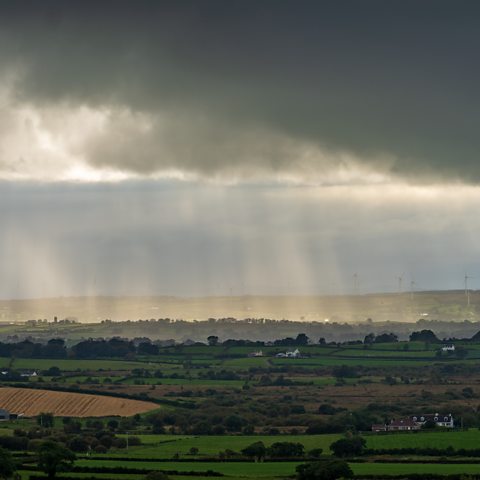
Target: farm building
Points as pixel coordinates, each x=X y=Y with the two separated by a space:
x=403 y=425
x=448 y=348
x=4 y=414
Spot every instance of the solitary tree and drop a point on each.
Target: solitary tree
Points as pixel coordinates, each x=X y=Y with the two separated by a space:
x=347 y=447
x=53 y=458
x=45 y=420
x=212 y=340
x=386 y=338
x=423 y=336
x=301 y=339
x=256 y=450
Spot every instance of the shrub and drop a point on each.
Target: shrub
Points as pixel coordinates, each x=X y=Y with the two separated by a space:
x=325 y=470
x=286 y=449
x=346 y=447
x=100 y=449
x=156 y=476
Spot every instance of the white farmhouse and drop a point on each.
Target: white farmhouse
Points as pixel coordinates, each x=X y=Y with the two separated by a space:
x=448 y=348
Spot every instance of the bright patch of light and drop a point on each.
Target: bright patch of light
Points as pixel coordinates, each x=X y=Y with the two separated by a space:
x=85 y=173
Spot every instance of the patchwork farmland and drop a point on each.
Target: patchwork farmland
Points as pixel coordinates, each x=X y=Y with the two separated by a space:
x=241 y=409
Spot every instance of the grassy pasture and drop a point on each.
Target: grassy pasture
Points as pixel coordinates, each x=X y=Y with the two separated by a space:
x=247 y=469
x=283 y=469
x=72 y=365
x=25 y=475
x=246 y=362
x=407 y=468
x=165 y=446
x=457 y=439
x=372 y=353
x=316 y=362
x=266 y=470
x=396 y=346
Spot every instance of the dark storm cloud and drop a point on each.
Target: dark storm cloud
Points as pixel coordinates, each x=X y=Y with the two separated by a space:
x=223 y=84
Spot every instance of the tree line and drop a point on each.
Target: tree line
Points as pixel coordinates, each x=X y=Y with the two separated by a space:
x=124 y=348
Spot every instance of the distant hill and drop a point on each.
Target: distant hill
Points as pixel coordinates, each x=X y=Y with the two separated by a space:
x=405 y=307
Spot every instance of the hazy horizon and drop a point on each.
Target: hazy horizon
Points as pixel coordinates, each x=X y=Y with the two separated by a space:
x=381 y=307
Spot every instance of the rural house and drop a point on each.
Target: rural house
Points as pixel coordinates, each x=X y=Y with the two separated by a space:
x=295 y=354
x=415 y=422
x=448 y=348
x=402 y=425
x=440 y=420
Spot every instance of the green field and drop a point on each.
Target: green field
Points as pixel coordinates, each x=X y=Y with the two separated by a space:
x=407 y=468
x=457 y=439
x=73 y=365
x=25 y=475
x=282 y=469
x=315 y=362
x=165 y=446
x=248 y=469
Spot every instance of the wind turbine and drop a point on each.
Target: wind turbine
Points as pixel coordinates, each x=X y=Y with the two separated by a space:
x=467 y=291
x=355 y=283
x=400 y=281
x=412 y=288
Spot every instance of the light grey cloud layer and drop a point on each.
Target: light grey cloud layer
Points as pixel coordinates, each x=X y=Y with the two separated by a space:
x=254 y=88
x=190 y=239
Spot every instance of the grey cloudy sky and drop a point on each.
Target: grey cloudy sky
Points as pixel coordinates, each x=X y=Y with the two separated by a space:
x=208 y=147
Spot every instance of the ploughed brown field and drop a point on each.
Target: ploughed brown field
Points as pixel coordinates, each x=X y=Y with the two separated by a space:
x=31 y=402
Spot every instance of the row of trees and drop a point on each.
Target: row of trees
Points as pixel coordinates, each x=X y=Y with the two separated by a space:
x=350 y=446
x=122 y=348
x=259 y=451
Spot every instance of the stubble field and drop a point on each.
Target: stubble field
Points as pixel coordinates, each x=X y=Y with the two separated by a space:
x=30 y=402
